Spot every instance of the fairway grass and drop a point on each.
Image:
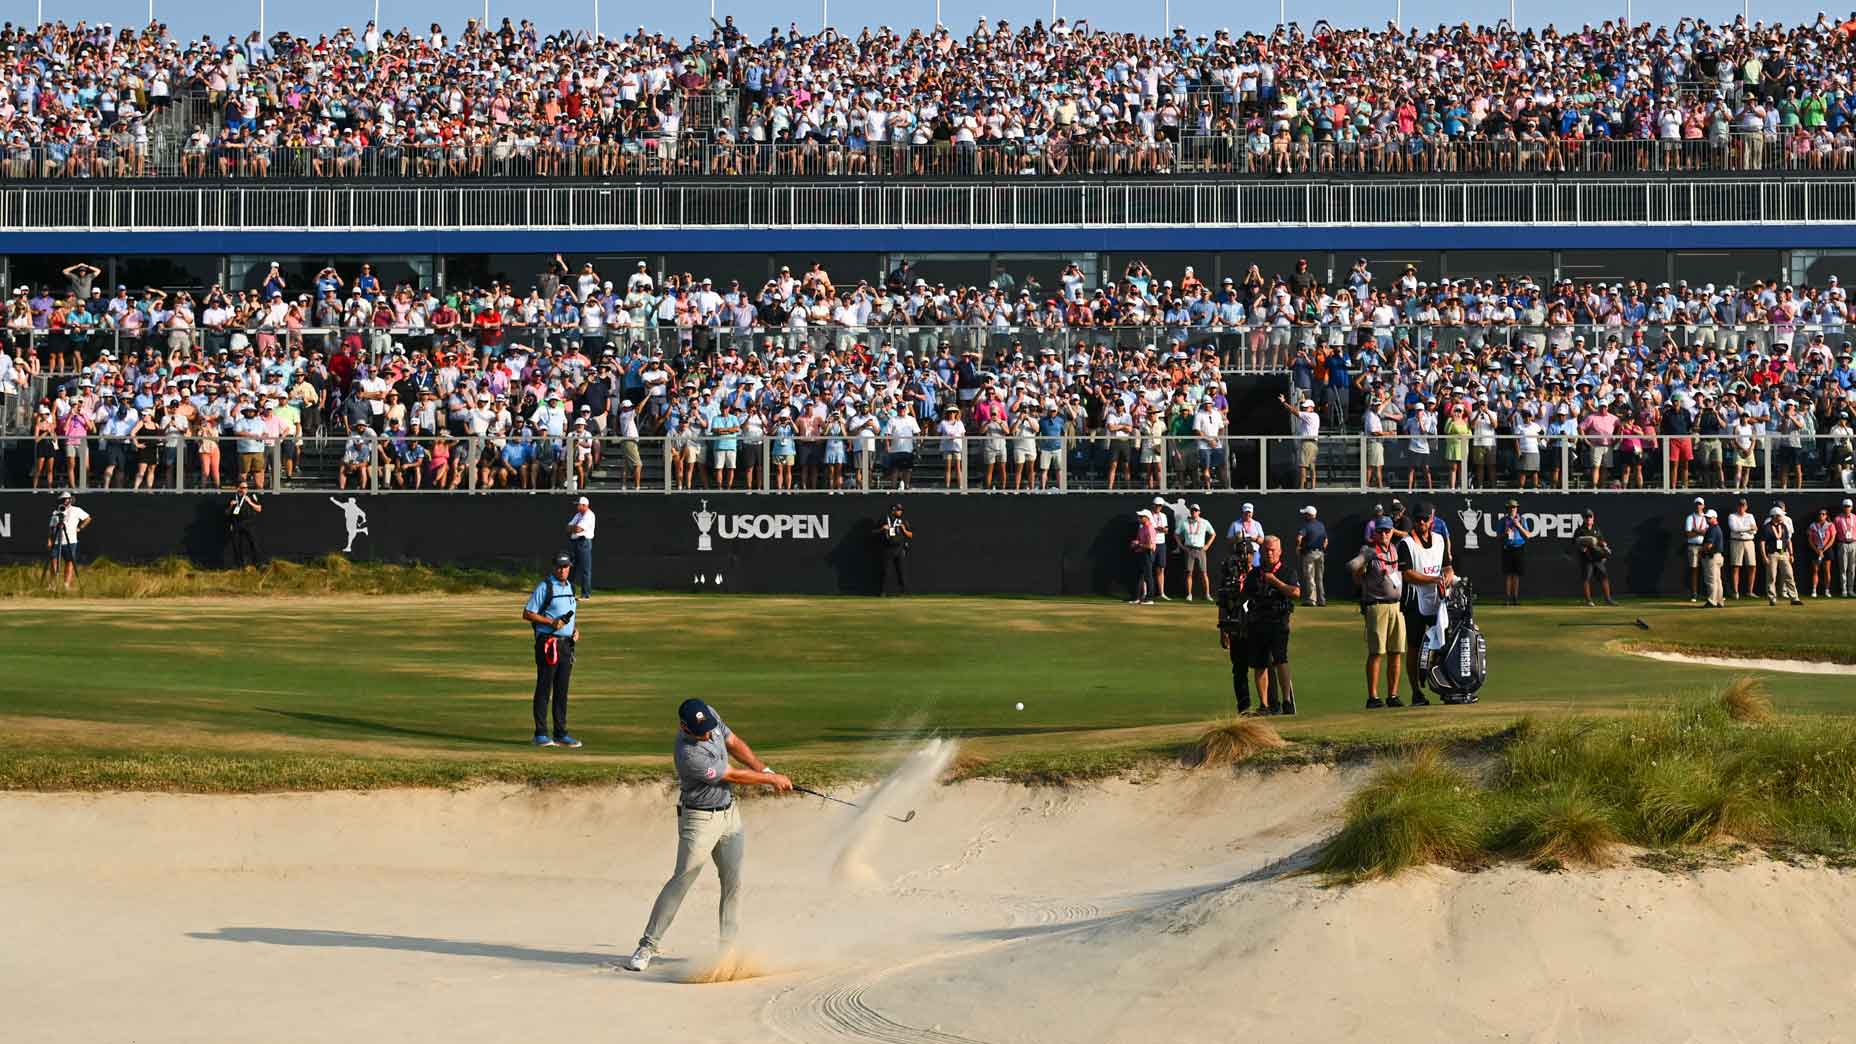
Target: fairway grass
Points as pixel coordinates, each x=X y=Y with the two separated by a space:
x=329 y=690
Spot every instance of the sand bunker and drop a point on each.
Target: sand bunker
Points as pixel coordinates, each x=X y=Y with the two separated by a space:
x=1107 y=913
x=1740 y=663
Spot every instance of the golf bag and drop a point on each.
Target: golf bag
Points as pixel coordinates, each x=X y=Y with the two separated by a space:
x=1459 y=665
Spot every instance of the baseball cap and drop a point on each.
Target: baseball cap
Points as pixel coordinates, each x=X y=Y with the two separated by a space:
x=1160 y=501
x=1847 y=502
x=1775 y=512
x=696 y=716
x=1700 y=500
x=583 y=502
x=563 y=559
x=1249 y=508
x=1424 y=511
x=1309 y=510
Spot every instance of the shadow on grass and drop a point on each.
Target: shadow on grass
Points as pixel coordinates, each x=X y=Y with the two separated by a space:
x=382 y=728
x=321 y=939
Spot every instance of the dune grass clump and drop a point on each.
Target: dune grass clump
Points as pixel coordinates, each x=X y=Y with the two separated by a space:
x=1746 y=699
x=1419 y=810
x=1235 y=740
x=1571 y=791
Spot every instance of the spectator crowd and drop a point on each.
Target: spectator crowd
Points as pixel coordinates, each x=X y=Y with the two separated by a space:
x=1462 y=384
x=89 y=100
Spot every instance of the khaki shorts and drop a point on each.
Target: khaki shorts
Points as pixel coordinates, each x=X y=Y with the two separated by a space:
x=1740 y=553
x=1385 y=629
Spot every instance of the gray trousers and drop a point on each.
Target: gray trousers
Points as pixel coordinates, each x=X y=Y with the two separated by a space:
x=1846 y=569
x=1314 y=578
x=700 y=837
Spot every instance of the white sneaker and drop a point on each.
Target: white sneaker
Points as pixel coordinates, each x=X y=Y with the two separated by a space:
x=640 y=959
x=1165 y=598
x=1188 y=598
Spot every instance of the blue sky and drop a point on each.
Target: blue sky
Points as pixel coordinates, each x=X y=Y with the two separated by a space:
x=192 y=17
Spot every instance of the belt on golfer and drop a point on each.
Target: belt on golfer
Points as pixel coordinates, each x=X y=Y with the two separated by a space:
x=696 y=808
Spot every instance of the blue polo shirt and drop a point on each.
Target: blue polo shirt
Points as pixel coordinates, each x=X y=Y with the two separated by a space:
x=554 y=599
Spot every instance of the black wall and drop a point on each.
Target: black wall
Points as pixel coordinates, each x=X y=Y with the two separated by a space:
x=1027 y=544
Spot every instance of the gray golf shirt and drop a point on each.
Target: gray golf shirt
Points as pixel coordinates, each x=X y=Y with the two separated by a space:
x=701 y=764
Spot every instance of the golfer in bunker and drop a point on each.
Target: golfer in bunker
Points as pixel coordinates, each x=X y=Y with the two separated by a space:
x=708 y=823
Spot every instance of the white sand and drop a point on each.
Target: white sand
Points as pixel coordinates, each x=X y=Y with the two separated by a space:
x=1119 y=912
x=1742 y=663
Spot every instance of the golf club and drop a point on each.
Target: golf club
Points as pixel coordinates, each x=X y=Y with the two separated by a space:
x=853 y=804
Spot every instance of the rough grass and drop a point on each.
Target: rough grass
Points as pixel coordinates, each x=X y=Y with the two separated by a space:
x=329 y=575
x=1234 y=740
x=1417 y=810
x=1694 y=774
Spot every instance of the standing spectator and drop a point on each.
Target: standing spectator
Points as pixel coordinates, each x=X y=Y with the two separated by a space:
x=1713 y=550
x=1141 y=545
x=1162 y=518
x=1311 y=551
x=250 y=431
x=1822 y=535
x=1514 y=551
x=1208 y=424
x=1775 y=547
x=1845 y=523
x=1246 y=528
x=1695 y=532
x=580 y=531
x=1196 y=536
x=1376 y=569
x=1271 y=595
x=550 y=609
x=902 y=430
x=1742 y=536
x=1307 y=425
x=1051 y=429
x=1592 y=550
x=1598 y=429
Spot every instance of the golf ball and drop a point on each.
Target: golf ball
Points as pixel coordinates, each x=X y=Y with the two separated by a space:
x=1019 y=706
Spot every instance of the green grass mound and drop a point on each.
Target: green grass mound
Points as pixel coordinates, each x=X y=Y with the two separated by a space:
x=1571 y=791
x=331 y=574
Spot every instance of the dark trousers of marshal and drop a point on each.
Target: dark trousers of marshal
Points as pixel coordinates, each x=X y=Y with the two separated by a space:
x=895 y=556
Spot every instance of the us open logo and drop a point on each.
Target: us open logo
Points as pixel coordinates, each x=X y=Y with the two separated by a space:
x=756 y=527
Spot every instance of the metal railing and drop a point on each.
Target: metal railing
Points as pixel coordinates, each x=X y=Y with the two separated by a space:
x=1243 y=347
x=1015 y=461
x=863 y=202
x=703 y=155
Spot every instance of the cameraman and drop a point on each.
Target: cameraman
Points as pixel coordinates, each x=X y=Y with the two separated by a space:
x=894 y=535
x=240 y=517
x=1272 y=595
x=67 y=521
x=1231 y=633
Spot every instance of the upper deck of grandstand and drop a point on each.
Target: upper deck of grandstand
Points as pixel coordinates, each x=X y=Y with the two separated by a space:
x=89 y=100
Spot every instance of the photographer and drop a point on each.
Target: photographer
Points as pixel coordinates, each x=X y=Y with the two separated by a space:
x=1272 y=592
x=893 y=536
x=1232 y=636
x=241 y=514
x=67 y=521
x=1592 y=549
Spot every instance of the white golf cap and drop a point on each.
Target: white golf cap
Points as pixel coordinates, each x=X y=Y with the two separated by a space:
x=1160 y=501
x=584 y=502
x=1143 y=513
x=1775 y=512
x=1249 y=507
x=1309 y=511
x=1713 y=513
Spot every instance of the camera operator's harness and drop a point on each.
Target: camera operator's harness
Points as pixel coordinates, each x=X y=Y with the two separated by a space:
x=58 y=534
